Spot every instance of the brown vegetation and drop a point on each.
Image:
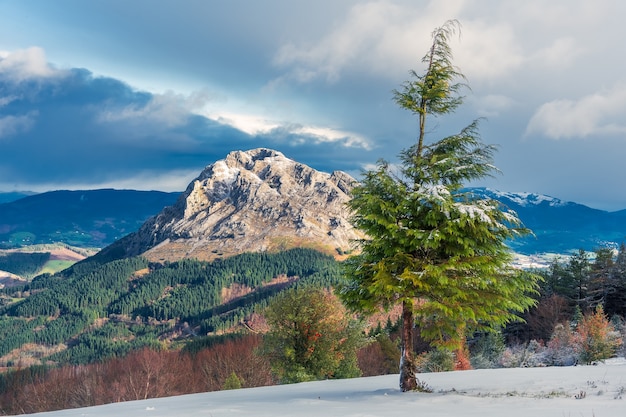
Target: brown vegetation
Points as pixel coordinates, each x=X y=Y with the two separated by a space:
x=141 y=374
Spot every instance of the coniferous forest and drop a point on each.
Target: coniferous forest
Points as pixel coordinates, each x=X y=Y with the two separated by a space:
x=128 y=324
x=94 y=311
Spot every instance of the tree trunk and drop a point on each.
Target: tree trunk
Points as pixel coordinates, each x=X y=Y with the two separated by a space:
x=408 y=382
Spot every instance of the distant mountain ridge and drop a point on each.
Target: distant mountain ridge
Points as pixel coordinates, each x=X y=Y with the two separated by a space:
x=560 y=226
x=87 y=218
x=258 y=196
x=7 y=197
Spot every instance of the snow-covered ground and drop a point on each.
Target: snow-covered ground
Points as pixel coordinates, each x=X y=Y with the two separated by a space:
x=580 y=391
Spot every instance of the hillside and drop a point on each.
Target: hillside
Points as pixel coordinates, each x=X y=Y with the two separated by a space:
x=90 y=218
x=92 y=311
x=263 y=220
x=20 y=265
x=7 y=197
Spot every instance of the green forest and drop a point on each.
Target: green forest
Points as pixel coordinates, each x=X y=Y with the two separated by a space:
x=100 y=310
x=24 y=264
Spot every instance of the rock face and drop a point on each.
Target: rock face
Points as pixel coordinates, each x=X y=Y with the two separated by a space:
x=251 y=201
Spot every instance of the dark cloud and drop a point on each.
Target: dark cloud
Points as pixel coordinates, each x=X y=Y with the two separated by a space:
x=78 y=128
x=311 y=79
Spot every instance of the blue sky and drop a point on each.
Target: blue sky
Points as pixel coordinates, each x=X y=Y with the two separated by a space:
x=144 y=94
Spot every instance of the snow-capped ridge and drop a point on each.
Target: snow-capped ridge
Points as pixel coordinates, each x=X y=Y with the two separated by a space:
x=523 y=199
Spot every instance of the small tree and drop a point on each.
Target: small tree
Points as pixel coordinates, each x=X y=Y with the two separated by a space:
x=597 y=337
x=232 y=382
x=311 y=336
x=436 y=250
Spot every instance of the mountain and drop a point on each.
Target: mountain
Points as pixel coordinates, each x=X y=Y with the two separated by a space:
x=93 y=218
x=253 y=201
x=7 y=197
x=559 y=226
x=261 y=201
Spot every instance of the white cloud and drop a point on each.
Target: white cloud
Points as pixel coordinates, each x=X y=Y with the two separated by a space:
x=487 y=50
x=381 y=37
x=168 y=109
x=599 y=113
x=26 y=64
x=259 y=125
x=325 y=134
x=249 y=124
x=561 y=53
x=11 y=125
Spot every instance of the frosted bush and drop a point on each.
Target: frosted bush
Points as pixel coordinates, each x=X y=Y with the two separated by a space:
x=563 y=348
x=531 y=354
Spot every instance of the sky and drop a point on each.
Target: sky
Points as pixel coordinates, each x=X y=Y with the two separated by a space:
x=511 y=392
x=144 y=94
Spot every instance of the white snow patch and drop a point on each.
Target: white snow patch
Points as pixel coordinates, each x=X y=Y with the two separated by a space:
x=474 y=211
x=516 y=392
x=527 y=199
x=225 y=173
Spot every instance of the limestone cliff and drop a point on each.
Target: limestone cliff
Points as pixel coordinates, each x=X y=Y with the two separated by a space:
x=251 y=201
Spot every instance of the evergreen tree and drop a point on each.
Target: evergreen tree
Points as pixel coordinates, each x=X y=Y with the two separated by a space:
x=600 y=277
x=616 y=297
x=579 y=269
x=433 y=248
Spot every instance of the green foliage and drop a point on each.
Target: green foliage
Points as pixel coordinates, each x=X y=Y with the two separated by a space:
x=436 y=91
x=486 y=350
x=435 y=249
x=588 y=281
x=311 y=337
x=232 y=382
x=437 y=360
x=23 y=264
x=142 y=303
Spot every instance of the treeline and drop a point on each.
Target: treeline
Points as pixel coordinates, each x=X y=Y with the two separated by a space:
x=574 y=286
x=107 y=310
x=23 y=264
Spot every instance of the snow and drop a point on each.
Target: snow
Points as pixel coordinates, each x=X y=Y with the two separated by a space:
x=224 y=173
x=517 y=392
x=527 y=199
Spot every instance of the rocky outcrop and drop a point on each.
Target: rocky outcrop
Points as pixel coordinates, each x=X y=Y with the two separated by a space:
x=251 y=201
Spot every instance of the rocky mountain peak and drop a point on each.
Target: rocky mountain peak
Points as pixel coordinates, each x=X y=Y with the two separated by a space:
x=257 y=200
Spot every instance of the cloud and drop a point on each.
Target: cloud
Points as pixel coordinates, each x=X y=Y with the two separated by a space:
x=25 y=64
x=491 y=105
x=487 y=50
x=12 y=125
x=169 y=109
x=255 y=125
x=379 y=37
x=251 y=124
x=560 y=54
x=86 y=131
x=160 y=110
x=594 y=114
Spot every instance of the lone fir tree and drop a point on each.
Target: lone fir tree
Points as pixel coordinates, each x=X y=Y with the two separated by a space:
x=432 y=247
